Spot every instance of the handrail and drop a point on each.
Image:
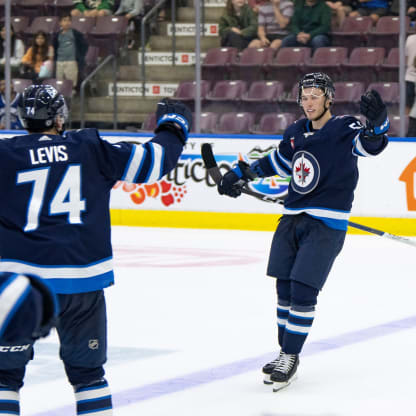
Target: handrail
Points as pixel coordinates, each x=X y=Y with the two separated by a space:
x=143 y=37
x=88 y=78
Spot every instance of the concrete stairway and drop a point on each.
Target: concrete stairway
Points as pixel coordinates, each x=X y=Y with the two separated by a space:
x=132 y=110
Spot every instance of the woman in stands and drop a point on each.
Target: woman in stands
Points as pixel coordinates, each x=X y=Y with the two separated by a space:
x=238 y=25
x=38 y=59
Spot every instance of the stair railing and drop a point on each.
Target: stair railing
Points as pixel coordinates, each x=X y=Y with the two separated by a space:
x=107 y=59
x=147 y=16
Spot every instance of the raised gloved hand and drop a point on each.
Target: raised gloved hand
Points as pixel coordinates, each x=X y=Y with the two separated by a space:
x=233 y=181
x=373 y=108
x=174 y=116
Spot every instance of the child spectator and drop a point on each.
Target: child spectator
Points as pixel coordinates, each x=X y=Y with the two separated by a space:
x=238 y=25
x=38 y=59
x=274 y=16
x=15 y=123
x=70 y=48
x=92 y=8
x=17 y=48
x=131 y=9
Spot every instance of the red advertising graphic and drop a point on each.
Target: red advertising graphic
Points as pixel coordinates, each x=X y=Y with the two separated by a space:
x=408 y=177
x=163 y=190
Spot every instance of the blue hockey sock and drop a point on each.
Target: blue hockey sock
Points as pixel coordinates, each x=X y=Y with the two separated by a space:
x=94 y=399
x=9 y=402
x=282 y=316
x=297 y=328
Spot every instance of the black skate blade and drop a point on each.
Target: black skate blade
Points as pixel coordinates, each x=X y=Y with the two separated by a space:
x=266 y=379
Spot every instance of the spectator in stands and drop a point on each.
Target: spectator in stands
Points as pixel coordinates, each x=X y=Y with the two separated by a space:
x=310 y=25
x=131 y=9
x=274 y=16
x=38 y=59
x=255 y=4
x=339 y=10
x=373 y=8
x=92 y=8
x=15 y=122
x=411 y=8
x=17 y=48
x=70 y=48
x=238 y=25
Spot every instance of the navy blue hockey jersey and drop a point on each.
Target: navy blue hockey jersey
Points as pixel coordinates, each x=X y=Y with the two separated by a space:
x=323 y=168
x=54 y=211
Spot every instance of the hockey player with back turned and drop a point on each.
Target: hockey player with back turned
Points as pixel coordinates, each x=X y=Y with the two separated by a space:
x=320 y=155
x=55 y=223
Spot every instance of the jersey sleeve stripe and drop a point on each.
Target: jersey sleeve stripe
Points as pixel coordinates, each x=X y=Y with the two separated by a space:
x=358 y=149
x=134 y=164
x=156 y=167
x=13 y=293
x=279 y=168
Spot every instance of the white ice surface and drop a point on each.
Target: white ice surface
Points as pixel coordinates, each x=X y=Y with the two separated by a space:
x=187 y=302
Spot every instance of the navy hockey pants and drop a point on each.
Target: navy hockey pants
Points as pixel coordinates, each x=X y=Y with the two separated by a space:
x=304 y=249
x=82 y=330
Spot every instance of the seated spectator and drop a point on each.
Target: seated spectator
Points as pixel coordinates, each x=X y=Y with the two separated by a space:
x=410 y=76
x=411 y=8
x=131 y=9
x=92 y=8
x=339 y=10
x=38 y=59
x=15 y=123
x=310 y=25
x=274 y=16
x=17 y=48
x=238 y=25
x=70 y=48
x=373 y=8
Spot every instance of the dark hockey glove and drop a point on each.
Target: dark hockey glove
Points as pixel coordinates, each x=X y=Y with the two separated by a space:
x=233 y=181
x=373 y=108
x=174 y=116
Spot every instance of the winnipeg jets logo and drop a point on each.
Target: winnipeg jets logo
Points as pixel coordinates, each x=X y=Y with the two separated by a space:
x=305 y=172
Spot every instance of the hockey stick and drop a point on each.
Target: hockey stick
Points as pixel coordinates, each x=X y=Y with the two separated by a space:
x=214 y=171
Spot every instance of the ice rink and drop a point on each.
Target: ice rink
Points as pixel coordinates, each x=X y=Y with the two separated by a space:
x=192 y=321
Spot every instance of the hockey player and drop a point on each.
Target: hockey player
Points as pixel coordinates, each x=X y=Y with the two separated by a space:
x=55 y=222
x=319 y=153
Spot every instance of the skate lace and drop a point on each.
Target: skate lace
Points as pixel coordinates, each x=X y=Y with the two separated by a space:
x=285 y=363
x=276 y=360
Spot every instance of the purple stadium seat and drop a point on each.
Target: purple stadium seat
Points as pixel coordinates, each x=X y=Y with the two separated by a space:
x=273 y=123
x=386 y=32
x=262 y=97
x=234 y=123
x=61 y=7
x=328 y=60
x=289 y=65
x=19 y=24
x=186 y=92
x=216 y=64
x=289 y=104
x=353 y=32
x=251 y=64
x=394 y=130
x=390 y=92
x=19 y=84
x=225 y=96
x=83 y=24
x=47 y=24
x=208 y=122
x=389 y=71
x=33 y=8
x=109 y=33
x=149 y=124
x=347 y=97
x=363 y=64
